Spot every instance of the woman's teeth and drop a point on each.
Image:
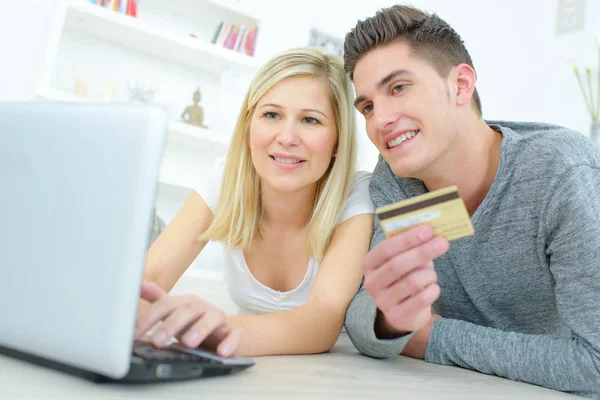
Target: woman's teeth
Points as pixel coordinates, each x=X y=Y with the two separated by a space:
x=287 y=160
x=401 y=139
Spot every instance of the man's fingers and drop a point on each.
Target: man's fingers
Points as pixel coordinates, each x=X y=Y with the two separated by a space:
x=151 y=292
x=413 y=313
x=381 y=278
x=402 y=263
x=408 y=286
x=395 y=245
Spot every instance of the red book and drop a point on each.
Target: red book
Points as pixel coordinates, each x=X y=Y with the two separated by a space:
x=251 y=43
x=132 y=8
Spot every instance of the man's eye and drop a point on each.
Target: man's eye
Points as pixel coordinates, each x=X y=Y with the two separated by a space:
x=398 y=88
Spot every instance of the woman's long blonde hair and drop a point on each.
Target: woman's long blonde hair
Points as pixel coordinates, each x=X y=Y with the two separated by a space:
x=239 y=210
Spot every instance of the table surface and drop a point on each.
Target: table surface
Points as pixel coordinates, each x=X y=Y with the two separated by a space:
x=341 y=373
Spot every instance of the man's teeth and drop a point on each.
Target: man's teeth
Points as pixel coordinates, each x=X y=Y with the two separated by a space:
x=286 y=160
x=400 y=139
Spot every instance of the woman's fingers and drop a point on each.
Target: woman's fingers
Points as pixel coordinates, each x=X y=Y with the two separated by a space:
x=189 y=318
x=210 y=321
x=158 y=311
x=185 y=315
x=151 y=292
x=231 y=345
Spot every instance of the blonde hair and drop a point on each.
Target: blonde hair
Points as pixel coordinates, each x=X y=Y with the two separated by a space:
x=239 y=211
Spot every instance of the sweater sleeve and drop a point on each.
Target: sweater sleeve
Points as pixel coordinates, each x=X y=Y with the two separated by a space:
x=571 y=363
x=361 y=314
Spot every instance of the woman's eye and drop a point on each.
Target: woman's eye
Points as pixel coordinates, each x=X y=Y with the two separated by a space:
x=311 y=120
x=398 y=88
x=271 y=115
x=367 y=109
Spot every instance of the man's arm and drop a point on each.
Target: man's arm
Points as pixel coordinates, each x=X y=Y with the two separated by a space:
x=570 y=364
x=399 y=284
x=362 y=315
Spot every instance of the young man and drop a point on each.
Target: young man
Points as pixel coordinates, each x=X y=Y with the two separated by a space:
x=519 y=299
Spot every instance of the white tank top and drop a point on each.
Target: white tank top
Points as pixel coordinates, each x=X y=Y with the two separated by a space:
x=251 y=296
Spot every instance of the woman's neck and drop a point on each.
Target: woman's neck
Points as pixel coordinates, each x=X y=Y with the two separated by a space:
x=288 y=209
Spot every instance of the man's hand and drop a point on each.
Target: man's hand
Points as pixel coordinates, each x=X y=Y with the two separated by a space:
x=400 y=276
x=417 y=344
x=190 y=319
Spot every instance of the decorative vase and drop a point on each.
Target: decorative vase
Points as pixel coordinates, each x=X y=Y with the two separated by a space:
x=595 y=132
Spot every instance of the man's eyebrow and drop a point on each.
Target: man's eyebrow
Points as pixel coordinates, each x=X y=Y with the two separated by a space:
x=359 y=100
x=391 y=76
x=386 y=79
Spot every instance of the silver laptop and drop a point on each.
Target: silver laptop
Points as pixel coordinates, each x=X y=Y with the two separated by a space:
x=79 y=183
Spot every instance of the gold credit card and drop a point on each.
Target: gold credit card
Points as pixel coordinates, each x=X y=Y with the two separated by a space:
x=444 y=210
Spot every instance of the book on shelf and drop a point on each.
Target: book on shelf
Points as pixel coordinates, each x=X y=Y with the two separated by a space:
x=128 y=7
x=239 y=38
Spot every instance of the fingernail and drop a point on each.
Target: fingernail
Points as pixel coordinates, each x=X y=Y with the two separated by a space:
x=439 y=243
x=425 y=233
x=225 y=350
x=191 y=339
x=159 y=338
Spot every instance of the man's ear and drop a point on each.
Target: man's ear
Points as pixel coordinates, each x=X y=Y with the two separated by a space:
x=464 y=82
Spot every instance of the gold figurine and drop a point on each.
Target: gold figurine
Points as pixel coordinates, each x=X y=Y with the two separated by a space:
x=194 y=114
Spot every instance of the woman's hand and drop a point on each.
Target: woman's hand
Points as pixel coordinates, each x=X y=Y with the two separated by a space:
x=193 y=321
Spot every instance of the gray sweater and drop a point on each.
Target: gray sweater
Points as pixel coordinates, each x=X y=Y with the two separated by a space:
x=520 y=298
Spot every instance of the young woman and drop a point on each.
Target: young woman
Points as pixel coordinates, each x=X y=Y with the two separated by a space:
x=294 y=215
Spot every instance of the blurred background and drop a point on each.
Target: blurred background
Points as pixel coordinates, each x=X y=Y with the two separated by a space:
x=198 y=56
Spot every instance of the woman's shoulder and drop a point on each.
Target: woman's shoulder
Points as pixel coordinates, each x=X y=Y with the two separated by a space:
x=359 y=181
x=209 y=184
x=358 y=200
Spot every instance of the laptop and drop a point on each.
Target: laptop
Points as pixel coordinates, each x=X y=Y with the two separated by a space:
x=79 y=183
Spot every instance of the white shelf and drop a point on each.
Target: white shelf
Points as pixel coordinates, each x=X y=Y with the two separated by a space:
x=177 y=130
x=168 y=177
x=176 y=46
x=49 y=94
x=185 y=131
x=181 y=137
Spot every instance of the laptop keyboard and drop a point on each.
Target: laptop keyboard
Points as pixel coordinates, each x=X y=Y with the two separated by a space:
x=148 y=352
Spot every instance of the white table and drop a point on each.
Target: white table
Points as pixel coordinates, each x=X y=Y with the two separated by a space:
x=340 y=374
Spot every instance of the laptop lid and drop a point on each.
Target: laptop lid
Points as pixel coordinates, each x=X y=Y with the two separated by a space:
x=79 y=183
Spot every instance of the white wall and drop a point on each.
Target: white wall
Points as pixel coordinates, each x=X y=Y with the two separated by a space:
x=523 y=68
x=24 y=33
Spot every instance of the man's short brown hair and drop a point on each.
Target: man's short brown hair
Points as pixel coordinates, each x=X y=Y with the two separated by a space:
x=430 y=38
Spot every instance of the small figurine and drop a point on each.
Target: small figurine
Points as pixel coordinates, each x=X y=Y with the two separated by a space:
x=140 y=91
x=81 y=88
x=194 y=114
